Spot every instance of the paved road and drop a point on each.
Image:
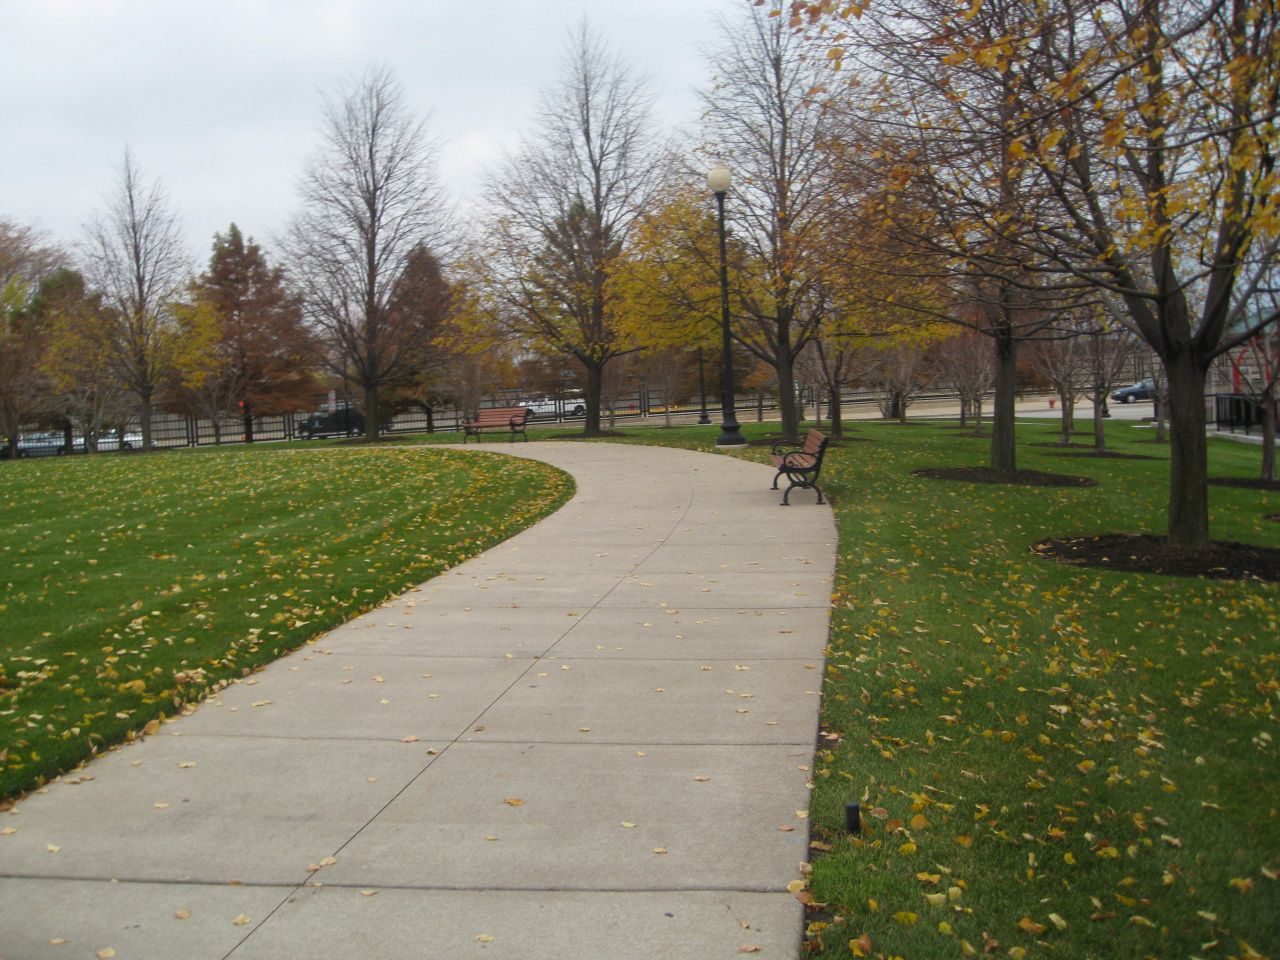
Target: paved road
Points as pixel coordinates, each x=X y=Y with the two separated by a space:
x=590 y=742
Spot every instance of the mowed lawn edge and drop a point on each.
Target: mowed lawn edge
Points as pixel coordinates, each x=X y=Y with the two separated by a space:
x=1048 y=761
x=136 y=584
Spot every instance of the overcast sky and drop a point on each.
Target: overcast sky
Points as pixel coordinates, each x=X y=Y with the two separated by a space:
x=221 y=101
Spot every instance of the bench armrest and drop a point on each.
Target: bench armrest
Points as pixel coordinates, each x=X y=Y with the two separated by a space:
x=780 y=445
x=799 y=460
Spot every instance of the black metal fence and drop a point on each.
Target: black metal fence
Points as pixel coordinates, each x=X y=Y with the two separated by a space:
x=1237 y=411
x=335 y=418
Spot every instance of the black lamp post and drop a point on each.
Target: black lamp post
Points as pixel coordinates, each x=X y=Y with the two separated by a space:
x=702 y=390
x=718 y=181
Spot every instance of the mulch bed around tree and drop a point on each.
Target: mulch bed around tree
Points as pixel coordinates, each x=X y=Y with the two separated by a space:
x=1246 y=483
x=1146 y=553
x=1021 y=478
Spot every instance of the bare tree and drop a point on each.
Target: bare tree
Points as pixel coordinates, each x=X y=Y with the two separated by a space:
x=760 y=123
x=968 y=361
x=903 y=373
x=1109 y=348
x=1061 y=361
x=566 y=201
x=136 y=257
x=371 y=203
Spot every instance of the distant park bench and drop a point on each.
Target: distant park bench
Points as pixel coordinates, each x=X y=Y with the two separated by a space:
x=801 y=464
x=497 y=418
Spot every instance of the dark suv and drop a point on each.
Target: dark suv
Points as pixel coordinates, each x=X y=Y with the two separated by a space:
x=332 y=423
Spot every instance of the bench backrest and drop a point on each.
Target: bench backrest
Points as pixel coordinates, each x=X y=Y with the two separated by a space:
x=814 y=441
x=501 y=415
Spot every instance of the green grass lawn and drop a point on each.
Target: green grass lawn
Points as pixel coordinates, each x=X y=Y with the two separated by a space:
x=1049 y=761
x=131 y=585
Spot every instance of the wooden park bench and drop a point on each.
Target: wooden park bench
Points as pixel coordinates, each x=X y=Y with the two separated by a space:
x=497 y=418
x=801 y=464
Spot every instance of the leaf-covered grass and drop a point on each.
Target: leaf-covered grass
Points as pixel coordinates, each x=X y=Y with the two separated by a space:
x=1050 y=761
x=134 y=584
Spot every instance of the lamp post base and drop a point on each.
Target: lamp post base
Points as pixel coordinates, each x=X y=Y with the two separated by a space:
x=730 y=436
x=704 y=419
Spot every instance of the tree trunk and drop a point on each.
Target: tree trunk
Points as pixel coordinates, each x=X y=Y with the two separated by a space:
x=964 y=412
x=787 y=402
x=1068 y=414
x=1099 y=432
x=371 y=413
x=977 y=415
x=1003 y=453
x=595 y=383
x=837 y=415
x=1269 y=433
x=144 y=418
x=1188 y=460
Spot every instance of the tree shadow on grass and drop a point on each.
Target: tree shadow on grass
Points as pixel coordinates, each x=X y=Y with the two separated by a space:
x=1020 y=478
x=1106 y=454
x=1246 y=483
x=1147 y=553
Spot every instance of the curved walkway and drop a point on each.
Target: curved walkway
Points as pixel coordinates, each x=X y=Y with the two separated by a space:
x=592 y=741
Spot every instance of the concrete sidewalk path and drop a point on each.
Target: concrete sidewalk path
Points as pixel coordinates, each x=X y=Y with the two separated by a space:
x=593 y=741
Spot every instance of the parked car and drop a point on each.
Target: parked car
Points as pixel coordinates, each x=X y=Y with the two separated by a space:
x=545 y=408
x=1142 y=390
x=46 y=444
x=110 y=440
x=332 y=423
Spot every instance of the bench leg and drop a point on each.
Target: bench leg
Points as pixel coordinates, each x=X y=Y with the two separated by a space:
x=804 y=485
